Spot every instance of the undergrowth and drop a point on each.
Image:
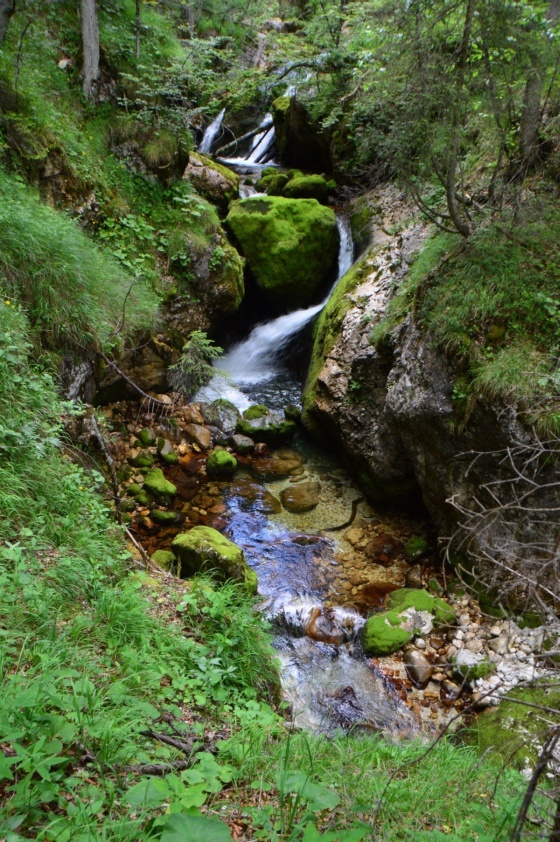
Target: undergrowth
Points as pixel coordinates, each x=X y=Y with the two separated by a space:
x=492 y=304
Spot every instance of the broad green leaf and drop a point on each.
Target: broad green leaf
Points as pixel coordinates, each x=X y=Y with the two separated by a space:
x=148 y=793
x=181 y=828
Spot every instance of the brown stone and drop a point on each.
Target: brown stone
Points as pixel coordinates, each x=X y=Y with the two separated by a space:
x=384 y=548
x=418 y=668
x=301 y=498
x=200 y=435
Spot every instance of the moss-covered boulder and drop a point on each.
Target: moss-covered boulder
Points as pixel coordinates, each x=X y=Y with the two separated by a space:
x=307 y=187
x=141 y=460
x=421 y=600
x=221 y=463
x=146 y=437
x=165 y=559
x=163 y=516
x=290 y=245
x=203 y=548
x=260 y=424
x=415 y=548
x=156 y=484
x=384 y=634
x=273 y=184
x=166 y=452
x=215 y=182
x=410 y=612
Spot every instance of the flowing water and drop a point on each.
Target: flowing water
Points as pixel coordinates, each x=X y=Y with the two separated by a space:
x=211 y=134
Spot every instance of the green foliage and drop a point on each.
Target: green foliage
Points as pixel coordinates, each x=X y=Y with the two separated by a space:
x=72 y=291
x=194 y=368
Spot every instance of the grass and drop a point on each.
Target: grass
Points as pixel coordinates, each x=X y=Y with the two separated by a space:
x=73 y=292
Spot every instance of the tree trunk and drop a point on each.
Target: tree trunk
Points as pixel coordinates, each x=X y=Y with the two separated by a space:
x=531 y=112
x=7 y=8
x=90 y=42
x=137 y=27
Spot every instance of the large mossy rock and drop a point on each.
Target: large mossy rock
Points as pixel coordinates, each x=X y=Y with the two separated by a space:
x=260 y=424
x=215 y=182
x=291 y=246
x=203 y=548
x=411 y=611
x=307 y=187
x=156 y=484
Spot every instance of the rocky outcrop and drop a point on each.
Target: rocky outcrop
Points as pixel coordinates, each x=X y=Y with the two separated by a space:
x=389 y=405
x=216 y=183
x=290 y=246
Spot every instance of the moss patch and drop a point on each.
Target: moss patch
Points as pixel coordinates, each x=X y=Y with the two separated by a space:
x=203 y=548
x=383 y=635
x=290 y=245
x=156 y=483
x=420 y=600
x=221 y=462
x=308 y=187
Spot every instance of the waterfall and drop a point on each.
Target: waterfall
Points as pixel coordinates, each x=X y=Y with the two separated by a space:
x=259 y=357
x=211 y=133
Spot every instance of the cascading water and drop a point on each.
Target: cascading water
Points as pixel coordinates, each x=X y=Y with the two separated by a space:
x=245 y=374
x=211 y=134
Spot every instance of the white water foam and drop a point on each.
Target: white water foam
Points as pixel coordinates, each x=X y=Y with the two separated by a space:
x=211 y=134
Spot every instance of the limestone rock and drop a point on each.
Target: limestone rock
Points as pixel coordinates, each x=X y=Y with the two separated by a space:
x=212 y=180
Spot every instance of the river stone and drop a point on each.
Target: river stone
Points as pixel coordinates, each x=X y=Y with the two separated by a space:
x=418 y=668
x=384 y=548
x=156 y=484
x=275 y=467
x=414 y=577
x=199 y=435
x=163 y=517
x=242 y=444
x=302 y=497
x=291 y=247
x=166 y=452
x=204 y=548
x=141 y=460
x=254 y=498
x=221 y=463
x=271 y=428
x=383 y=634
x=228 y=415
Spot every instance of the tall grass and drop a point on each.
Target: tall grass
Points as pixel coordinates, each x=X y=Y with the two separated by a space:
x=73 y=292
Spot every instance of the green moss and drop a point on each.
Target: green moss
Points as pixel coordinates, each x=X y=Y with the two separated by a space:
x=163 y=517
x=256 y=411
x=272 y=184
x=326 y=332
x=290 y=246
x=143 y=498
x=516 y=730
x=472 y=672
x=416 y=547
x=165 y=559
x=127 y=505
x=269 y=431
x=204 y=548
x=308 y=187
x=133 y=489
x=221 y=462
x=421 y=600
x=157 y=485
x=143 y=460
x=146 y=437
x=382 y=634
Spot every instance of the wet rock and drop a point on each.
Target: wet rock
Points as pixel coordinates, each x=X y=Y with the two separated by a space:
x=276 y=466
x=221 y=463
x=242 y=444
x=322 y=626
x=383 y=548
x=254 y=498
x=302 y=497
x=199 y=435
x=269 y=427
x=414 y=577
x=204 y=548
x=418 y=668
x=292 y=412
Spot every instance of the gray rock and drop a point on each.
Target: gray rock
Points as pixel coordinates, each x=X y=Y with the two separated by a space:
x=499 y=644
x=242 y=444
